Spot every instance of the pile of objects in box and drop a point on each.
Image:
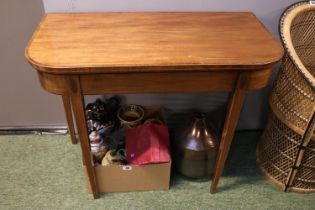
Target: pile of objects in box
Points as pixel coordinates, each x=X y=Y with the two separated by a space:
x=126 y=134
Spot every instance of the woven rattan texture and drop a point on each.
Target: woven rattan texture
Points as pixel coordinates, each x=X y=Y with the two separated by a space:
x=291 y=95
x=303 y=38
x=292 y=102
x=276 y=153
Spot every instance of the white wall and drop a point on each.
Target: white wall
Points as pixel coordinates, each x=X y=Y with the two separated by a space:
x=268 y=11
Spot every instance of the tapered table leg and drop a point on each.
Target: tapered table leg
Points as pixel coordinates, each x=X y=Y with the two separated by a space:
x=79 y=114
x=68 y=112
x=231 y=119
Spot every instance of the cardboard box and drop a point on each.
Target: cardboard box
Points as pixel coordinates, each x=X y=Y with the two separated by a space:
x=119 y=178
x=124 y=178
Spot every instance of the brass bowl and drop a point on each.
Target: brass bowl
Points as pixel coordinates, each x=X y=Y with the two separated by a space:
x=130 y=115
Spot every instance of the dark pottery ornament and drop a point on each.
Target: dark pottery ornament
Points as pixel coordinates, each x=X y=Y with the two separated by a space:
x=102 y=114
x=196 y=149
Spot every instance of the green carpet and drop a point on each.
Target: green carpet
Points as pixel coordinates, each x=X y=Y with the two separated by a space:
x=44 y=172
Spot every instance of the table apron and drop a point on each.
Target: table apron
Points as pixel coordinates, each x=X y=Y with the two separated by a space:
x=157 y=82
x=153 y=82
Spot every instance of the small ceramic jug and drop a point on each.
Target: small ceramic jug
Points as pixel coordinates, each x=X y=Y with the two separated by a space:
x=195 y=149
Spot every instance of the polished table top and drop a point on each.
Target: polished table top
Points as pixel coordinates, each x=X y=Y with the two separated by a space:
x=128 y=42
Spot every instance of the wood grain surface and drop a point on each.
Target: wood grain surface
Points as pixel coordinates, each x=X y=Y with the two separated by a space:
x=131 y=42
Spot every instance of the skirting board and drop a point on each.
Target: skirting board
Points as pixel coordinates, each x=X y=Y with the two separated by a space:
x=33 y=130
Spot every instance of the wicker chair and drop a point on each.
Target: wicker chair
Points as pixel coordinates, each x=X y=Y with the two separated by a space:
x=286 y=152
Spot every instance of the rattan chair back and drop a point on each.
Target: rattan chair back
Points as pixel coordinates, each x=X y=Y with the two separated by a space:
x=297 y=32
x=286 y=153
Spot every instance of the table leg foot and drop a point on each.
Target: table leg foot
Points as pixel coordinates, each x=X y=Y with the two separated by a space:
x=213 y=190
x=96 y=196
x=234 y=108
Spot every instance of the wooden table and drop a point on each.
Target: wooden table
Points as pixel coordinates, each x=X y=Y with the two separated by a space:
x=97 y=53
